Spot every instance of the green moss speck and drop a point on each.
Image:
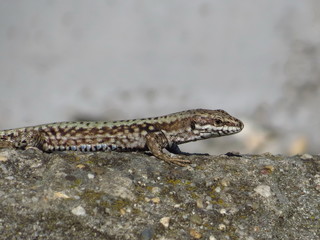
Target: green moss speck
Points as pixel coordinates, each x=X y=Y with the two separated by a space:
x=220 y=202
x=194 y=195
x=71 y=158
x=76 y=183
x=89 y=162
x=174 y=181
x=149 y=188
x=91 y=196
x=120 y=204
x=191 y=188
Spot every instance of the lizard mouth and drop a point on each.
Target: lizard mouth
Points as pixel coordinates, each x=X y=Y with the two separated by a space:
x=211 y=131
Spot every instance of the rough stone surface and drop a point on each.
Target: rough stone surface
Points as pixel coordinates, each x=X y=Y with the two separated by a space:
x=108 y=195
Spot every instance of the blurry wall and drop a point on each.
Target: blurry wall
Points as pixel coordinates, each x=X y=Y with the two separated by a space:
x=77 y=59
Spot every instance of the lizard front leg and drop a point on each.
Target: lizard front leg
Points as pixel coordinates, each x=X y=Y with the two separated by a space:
x=156 y=142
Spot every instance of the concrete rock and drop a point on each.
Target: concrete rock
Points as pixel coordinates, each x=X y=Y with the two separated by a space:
x=50 y=196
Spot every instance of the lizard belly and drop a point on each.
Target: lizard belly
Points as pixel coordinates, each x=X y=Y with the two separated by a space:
x=99 y=142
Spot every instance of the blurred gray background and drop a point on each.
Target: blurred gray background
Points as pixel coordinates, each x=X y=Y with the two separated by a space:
x=258 y=60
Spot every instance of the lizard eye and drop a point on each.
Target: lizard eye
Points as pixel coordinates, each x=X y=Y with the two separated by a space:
x=218 y=122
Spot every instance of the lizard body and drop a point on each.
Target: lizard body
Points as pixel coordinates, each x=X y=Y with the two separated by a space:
x=153 y=134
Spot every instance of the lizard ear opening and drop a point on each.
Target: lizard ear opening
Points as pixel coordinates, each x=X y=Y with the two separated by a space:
x=193 y=125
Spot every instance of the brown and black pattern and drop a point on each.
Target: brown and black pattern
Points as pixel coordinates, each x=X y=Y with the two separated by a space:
x=153 y=134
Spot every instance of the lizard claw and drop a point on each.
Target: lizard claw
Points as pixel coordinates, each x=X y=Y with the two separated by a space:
x=178 y=160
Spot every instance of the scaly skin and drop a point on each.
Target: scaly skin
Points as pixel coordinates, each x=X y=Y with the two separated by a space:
x=153 y=134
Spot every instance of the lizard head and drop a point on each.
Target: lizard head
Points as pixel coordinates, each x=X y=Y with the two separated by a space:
x=214 y=123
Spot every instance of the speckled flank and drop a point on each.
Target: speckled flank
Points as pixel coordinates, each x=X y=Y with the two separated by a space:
x=126 y=135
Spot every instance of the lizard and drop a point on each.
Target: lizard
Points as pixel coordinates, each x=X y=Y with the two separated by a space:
x=146 y=134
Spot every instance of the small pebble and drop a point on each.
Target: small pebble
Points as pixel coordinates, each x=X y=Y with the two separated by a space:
x=226 y=221
x=60 y=195
x=267 y=169
x=196 y=219
x=155 y=190
x=90 y=176
x=79 y=211
x=209 y=207
x=80 y=166
x=122 y=211
x=223 y=211
x=225 y=182
x=147 y=234
x=199 y=203
x=222 y=227
x=263 y=190
x=165 y=221
x=194 y=233
x=155 y=200
x=209 y=184
x=3 y=158
x=208 y=198
x=306 y=156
